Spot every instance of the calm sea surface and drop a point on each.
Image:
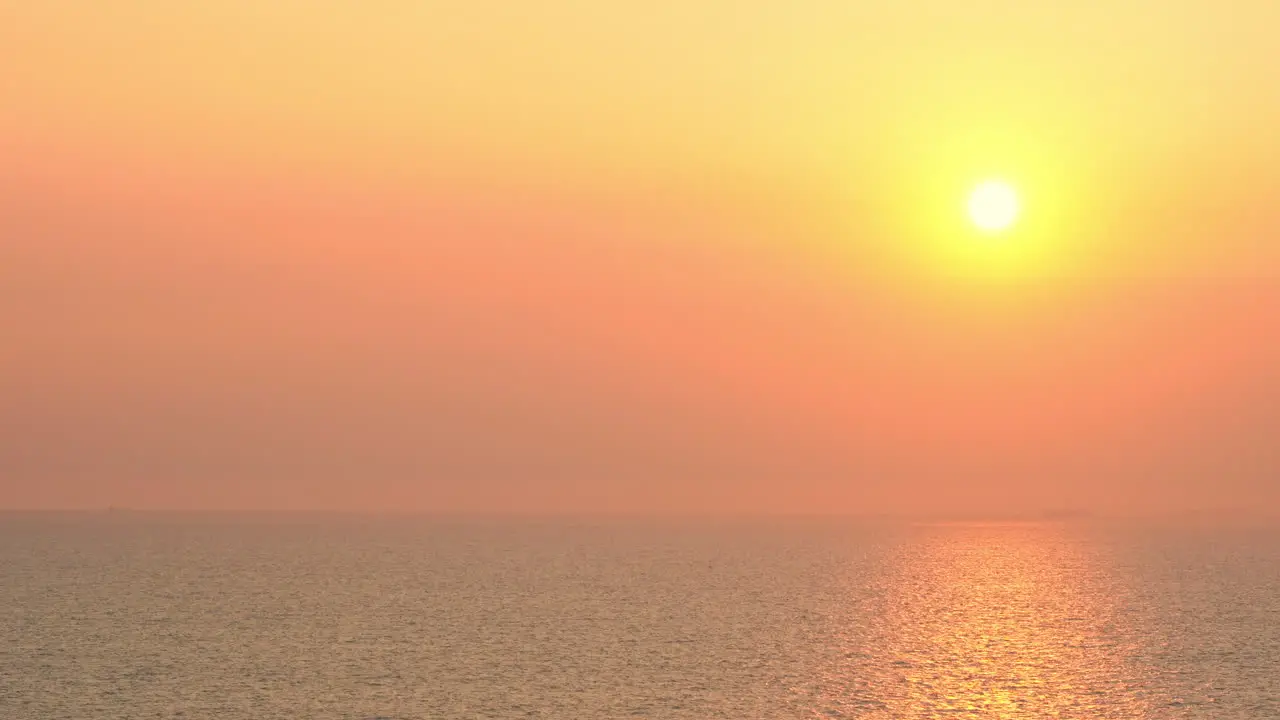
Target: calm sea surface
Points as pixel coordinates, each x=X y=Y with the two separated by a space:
x=154 y=616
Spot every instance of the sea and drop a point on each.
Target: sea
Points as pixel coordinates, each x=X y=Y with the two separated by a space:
x=125 y=616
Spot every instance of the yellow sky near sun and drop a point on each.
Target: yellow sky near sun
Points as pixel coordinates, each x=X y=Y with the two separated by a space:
x=807 y=76
x=905 y=104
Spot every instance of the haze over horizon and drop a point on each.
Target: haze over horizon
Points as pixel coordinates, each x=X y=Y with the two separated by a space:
x=638 y=257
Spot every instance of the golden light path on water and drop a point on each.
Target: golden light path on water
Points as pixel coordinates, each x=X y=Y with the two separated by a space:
x=1006 y=621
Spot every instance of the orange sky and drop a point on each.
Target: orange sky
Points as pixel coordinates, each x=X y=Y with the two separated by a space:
x=626 y=256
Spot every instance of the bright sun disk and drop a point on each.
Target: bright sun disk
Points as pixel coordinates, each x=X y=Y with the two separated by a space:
x=993 y=206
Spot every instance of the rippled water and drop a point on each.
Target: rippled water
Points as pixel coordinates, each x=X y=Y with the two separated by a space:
x=306 y=617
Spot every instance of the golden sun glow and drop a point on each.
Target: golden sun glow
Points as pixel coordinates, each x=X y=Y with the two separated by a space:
x=993 y=206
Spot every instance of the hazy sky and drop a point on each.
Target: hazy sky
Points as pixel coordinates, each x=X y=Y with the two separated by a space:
x=691 y=255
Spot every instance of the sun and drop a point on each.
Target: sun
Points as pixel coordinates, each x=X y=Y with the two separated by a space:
x=993 y=206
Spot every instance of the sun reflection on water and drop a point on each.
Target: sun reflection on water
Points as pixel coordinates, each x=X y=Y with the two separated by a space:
x=1004 y=621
